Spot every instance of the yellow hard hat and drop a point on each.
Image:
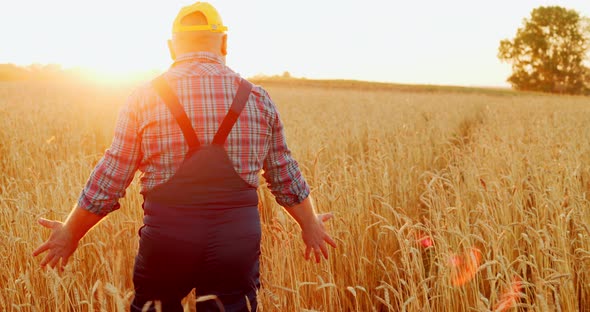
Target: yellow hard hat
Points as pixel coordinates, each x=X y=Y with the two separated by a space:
x=214 y=22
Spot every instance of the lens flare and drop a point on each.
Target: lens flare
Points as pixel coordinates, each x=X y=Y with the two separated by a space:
x=464 y=266
x=510 y=296
x=424 y=240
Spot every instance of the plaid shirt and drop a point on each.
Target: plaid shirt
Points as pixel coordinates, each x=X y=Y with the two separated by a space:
x=148 y=138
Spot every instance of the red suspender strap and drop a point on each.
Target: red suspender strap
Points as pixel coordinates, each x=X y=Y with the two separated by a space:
x=168 y=96
x=237 y=106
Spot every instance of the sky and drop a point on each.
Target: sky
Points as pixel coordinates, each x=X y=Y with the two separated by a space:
x=452 y=42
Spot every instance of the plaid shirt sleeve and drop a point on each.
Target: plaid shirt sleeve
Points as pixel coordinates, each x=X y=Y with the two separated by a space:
x=115 y=171
x=281 y=170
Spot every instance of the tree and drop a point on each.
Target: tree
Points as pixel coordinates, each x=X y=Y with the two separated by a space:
x=548 y=52
x=286 y=75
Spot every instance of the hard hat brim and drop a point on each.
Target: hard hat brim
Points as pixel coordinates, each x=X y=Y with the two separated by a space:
x=213 y=28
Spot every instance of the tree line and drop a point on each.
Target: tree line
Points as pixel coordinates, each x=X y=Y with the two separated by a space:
x=12 y=72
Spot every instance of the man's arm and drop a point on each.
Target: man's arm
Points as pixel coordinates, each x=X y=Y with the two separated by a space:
x=291 y=191
x=114 y=172
x=107 y=183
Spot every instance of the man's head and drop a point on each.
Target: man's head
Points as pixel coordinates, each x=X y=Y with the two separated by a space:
x=198 y=28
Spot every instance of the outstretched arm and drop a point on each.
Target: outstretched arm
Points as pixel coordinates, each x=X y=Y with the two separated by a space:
x=64 y=237
x=107 y=183
x=286 y=182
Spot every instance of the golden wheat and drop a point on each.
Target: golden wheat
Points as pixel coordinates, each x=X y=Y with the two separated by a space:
x=507 y=175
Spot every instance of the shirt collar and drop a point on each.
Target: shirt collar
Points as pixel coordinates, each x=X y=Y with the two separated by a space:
x=200 y=57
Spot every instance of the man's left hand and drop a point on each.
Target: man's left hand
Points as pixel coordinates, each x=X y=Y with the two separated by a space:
x=60 y=245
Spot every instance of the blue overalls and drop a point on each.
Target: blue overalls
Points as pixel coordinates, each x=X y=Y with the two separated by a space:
x=201 y=228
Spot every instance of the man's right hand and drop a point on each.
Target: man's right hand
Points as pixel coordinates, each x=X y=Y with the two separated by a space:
x=313 y=231
x=315 y=237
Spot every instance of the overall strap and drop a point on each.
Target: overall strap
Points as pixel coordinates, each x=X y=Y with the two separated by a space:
x=237 y=106
x=171 y=101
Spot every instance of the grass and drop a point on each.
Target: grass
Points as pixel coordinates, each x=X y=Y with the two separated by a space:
x=508 y=176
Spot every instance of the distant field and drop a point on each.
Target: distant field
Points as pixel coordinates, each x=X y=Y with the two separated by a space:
x=496 y=175
x=380 y=86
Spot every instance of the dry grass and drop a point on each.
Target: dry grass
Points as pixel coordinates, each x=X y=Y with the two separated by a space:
x=508 y=175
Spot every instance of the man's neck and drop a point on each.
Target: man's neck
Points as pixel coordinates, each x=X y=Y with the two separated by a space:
x=202 y=56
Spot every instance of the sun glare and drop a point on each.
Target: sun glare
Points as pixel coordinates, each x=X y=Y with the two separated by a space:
x=110 y=43
x=115 y=71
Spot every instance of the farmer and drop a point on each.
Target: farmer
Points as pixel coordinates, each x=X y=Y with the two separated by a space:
x=200 y=134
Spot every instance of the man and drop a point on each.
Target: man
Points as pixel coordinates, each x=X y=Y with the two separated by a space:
x=200 y=134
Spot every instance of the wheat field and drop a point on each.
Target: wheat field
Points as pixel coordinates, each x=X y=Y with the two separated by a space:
x=497 y=182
